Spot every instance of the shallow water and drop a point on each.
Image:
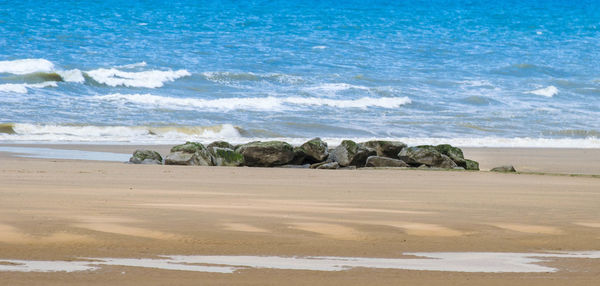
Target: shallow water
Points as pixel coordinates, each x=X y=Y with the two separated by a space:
x=114 y=71
x=494 y=262
x=49 y=153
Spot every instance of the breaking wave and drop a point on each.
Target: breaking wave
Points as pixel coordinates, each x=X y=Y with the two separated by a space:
x=252 y=103
x=134 y=134
x=549 y=91
x=24 y=132
x=26 y=66
x=148 y=79
x=42 y=69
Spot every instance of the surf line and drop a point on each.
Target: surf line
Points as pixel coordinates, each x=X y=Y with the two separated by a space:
x=483 y=262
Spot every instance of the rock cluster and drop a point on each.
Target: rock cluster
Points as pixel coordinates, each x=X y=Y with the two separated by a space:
x=313 y=154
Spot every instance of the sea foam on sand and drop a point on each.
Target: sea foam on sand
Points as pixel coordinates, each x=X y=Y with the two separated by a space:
x=484 y=262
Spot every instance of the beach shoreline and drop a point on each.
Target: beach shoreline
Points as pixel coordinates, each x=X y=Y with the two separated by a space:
x=566 y=161
x=54 y=209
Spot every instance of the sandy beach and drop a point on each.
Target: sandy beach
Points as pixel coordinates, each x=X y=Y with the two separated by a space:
x=53 y=209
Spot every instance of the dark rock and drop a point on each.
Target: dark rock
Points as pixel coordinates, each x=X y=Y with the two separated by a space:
x=471 y=165
x=351 y=154
x=388 y=149
x=188 y=147
x=146 y=157
x=299 y=157
x=329 y=166
x=376 y=161
x=315 y=150
x=316 y=165
x=504 y=169
x=190 y=153
x=266 y=154
x=453 y=153
x=181 y=158
x=427 y=155
x=226 y=157
x=220 y=144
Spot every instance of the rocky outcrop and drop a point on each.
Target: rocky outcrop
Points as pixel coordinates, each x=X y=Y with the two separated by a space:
x=220 y=144
x=426 y=155
x=190 y=153
x=266 y=154
x=377 y=161
x=453 y=153
x=314 y=154
x=504 y=169
x=316 y=165
x=226 y=157
x=388 y=149
x=315 y=150
x=471 y=165
x=149 y=157
x=299 y=157
x=348 y=153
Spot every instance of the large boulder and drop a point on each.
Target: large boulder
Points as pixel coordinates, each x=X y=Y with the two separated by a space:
x=266 y=154
x=504 y=169
x=377 y=161
x=146 y=157
x=427 y=155
x=388 y=149
x=299 y=157
x=315 y=150
x=226 y=157
x=453 y=153
x=316 y=165
x=220 y=144
x=348 y=153
x=471 y=165
x=190 y=153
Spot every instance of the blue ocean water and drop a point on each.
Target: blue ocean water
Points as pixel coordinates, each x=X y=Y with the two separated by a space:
x=487 y=73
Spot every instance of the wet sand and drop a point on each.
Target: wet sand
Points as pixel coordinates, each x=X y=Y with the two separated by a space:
x=54 y=209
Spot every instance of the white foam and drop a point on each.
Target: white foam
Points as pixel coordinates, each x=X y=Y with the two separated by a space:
x=319 y=47
x=269 y=103
x=134 y=134
x=149 y=79
x=475 y=262
x=230 y=133
x=26 y=66
x=518 y=142
x=23 y=87
x=549 y=91
x=73 y=75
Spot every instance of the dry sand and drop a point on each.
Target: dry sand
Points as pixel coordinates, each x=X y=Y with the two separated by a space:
x=62 y=209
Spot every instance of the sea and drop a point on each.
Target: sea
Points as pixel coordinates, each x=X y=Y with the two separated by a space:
x=505 y=73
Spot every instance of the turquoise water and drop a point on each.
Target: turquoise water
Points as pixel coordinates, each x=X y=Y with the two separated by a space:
x=483 y=73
